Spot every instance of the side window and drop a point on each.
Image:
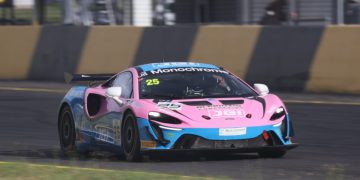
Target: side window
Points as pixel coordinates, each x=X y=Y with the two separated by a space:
x=124 y=80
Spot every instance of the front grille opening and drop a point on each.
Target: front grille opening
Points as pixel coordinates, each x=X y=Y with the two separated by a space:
x=159 y=134
x=197 y=103
x=232 y=102
x=196 y=142
x=165 y=119
x=274 y=139
x=185 y=142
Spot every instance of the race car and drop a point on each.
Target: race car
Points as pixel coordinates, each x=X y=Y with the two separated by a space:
x=172 y=106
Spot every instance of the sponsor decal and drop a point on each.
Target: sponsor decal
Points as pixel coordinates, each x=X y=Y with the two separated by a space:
x=169 y=105
x=152 y=82
x=117 y=131
x=104 y=133
x=232 y=131
x=181 y=69
x=142 y=74
x=148 y=144
x=233 y=106
x=174 y=64
x=221 y=113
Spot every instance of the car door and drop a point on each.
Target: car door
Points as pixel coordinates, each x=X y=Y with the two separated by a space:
x=104 y=113
x=125 y=81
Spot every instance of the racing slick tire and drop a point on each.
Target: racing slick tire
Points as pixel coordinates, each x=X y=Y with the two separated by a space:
x=130 y=139
x=272 y=154
x=67 y=134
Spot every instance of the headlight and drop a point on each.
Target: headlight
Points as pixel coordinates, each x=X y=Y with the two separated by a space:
x=156 y=116
x=279 y=112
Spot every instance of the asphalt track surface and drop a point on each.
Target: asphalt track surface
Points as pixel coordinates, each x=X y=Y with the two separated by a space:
x=327 y=127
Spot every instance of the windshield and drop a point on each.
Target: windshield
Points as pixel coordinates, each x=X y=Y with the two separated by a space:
x=188 y=85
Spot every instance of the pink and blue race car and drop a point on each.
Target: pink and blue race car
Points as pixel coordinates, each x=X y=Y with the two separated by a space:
x=173 y=106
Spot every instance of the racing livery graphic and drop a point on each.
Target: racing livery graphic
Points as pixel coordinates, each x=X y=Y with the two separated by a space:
x=178 y=106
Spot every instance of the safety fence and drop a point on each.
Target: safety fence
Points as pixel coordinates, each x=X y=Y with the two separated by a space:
x=171 y=12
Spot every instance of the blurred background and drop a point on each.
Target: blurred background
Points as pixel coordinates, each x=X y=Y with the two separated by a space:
x=172 y=12
x=305 y=50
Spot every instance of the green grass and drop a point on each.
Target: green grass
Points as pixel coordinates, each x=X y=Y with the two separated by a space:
x=16 y=170
x=52 y=13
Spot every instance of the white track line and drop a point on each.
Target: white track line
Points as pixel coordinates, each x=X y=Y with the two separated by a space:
x=33 y=89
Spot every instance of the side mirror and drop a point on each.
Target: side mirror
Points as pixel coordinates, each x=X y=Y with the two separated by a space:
x=114 y=93
x=262 y=89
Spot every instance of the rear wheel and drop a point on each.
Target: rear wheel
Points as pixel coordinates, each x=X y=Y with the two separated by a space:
x=272 y=154
x=67 y=132
x=130 y=139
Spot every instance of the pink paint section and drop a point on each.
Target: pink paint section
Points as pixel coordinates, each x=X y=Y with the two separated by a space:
x=99 y=91
x=221 y=115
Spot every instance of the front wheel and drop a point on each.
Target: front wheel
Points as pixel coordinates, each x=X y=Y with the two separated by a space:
x=130 y=139
x=272 y=154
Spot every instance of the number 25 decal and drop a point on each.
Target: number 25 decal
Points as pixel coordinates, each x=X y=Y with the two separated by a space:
x=151 y=82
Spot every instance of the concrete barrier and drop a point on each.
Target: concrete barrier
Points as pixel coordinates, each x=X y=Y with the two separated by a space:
x=336 y=65
x=16 y=49
x=109 y=49
x=312 y=59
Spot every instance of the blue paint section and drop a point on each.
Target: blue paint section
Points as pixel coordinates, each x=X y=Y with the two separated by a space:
x=92 y=138
x=75 y=99
x=288 y=123
x=90 y=143
x=146 y=132
x=75 y=93
x=97 y=135
x=75 y=96
x=207 y=133
x=277 y=131
x=167 y=65
x=105 y=130
x=143 y=124
x=102 y=133
x=288 y=141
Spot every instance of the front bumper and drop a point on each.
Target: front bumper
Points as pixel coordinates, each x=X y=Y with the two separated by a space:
x=199 y=139
x=227 y=150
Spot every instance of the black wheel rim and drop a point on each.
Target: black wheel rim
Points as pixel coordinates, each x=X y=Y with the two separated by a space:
x=129 y=135
x=66 y=130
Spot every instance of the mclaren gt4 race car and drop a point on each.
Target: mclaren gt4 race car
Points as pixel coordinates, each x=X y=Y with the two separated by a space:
x=173 y=107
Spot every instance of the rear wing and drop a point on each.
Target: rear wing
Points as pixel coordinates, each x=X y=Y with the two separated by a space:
x=86 y=77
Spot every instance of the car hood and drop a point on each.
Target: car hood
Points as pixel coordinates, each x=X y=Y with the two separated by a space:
x=219 y=112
